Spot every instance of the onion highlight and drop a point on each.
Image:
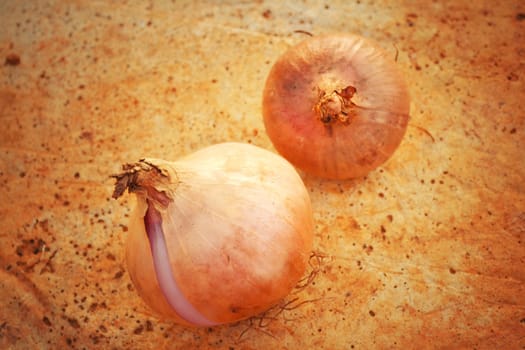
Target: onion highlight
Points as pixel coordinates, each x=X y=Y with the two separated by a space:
x=336 y=106
x=218 y=236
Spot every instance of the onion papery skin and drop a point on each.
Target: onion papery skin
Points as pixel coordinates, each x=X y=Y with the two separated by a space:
x=323 y=65
x=238 y=228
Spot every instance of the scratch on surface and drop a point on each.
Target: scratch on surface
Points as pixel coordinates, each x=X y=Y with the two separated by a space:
x=18 y=150
x=237 y=30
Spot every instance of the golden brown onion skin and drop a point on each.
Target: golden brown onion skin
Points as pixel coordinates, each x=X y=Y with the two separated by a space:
x=238 y=230
x=326 y=147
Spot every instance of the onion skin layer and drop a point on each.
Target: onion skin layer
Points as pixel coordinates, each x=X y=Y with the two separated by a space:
x=322 y=145
x=238 y=228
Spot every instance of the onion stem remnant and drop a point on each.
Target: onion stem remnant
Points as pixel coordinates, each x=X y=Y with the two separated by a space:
x=336 y=106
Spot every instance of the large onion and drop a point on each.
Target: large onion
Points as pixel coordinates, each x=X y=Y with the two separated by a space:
x=218 y=236
x=336 y=106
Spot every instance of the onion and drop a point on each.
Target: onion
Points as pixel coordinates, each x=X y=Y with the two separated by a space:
x=218 y=236
x=335 y=106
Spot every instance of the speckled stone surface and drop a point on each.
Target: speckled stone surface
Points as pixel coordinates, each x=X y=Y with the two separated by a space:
x=427 y=251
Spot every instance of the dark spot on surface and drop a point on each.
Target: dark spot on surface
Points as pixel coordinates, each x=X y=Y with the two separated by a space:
x=512 y=131
x=372 y=313
x=73 y=323
x=19 y=251
x=139 y=329
x=149 y=326
x=87 y=135
x=46 y=321
x=22 y=174
x=119 y=274
x=12 y=59
x=520 y=16
x=267 y=14
x=95 y=339
x=522 y=320
x=410 y=19
x=234 y=309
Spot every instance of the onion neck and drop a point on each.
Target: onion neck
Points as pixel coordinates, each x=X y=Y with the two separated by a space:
x=336 y=106
x=168 y=285
x=150 y=178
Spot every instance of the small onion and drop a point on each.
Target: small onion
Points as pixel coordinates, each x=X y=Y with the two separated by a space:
x=217 y=236
x=336 y=106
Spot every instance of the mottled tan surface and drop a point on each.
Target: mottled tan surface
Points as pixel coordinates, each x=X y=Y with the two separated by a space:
x=426 y=252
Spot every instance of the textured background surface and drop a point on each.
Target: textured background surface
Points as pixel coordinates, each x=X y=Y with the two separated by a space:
x=427 y=251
